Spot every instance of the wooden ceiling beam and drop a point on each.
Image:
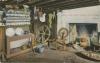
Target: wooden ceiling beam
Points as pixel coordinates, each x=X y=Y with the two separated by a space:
x=74 y=5
x=93 y=3
x=71 y=3
x=59 y=2
x=65 y=3
x=42 y=2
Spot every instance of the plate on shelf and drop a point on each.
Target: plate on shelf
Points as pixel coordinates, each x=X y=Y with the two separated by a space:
x=19 y=31
x=10 y=32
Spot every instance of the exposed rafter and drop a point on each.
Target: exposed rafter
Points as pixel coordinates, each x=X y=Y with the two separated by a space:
x=58 y=2
x=75 y=4
x=55 y=4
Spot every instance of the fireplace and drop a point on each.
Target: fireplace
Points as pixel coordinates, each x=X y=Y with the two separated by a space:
x=86 y=33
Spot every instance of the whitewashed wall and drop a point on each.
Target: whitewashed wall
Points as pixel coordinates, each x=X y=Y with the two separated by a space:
x=79 y=15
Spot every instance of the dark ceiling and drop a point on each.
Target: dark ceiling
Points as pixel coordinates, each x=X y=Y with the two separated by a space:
x=55 y=4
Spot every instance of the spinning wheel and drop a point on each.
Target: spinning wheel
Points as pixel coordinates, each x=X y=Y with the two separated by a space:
x=43 y=34
x=63 y=33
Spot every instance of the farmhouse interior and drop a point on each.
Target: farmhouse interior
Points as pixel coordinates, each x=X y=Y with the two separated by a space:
x=50 y=31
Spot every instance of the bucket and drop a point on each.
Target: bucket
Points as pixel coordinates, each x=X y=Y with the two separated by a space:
x=40 y=49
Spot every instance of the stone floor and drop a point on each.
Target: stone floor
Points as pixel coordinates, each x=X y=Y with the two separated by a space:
x=50 y=56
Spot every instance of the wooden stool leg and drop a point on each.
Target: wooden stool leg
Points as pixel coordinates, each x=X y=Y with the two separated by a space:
x=3 y=58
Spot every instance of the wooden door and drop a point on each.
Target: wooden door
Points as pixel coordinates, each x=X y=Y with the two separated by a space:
x=1 y=38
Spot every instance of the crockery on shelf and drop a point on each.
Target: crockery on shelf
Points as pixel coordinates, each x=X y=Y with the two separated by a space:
x=19 y=31
x=10 y=32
